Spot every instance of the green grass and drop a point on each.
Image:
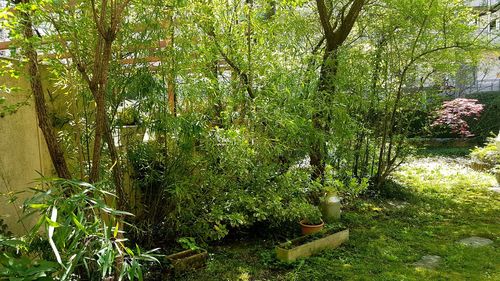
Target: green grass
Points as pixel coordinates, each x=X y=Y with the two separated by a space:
x=435 y=202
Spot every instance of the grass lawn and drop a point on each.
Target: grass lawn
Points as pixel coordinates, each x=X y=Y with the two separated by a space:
x=435 y=202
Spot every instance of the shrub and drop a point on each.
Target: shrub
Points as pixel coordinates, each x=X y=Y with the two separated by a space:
x=14 y=266
x=487 y=156
x=206 y=181
x=453 y=115
x=347 y=188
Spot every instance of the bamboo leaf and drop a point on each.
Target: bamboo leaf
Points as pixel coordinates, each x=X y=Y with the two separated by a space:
x=77 y=223
x=53 y=218
x=38 y=206
x=115 y=233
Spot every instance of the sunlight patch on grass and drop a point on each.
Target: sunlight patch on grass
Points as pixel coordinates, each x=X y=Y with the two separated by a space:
x=442 y=173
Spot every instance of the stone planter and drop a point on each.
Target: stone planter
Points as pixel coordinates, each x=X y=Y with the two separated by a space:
x=305 y=247
x=479 y=166
x=187 y=260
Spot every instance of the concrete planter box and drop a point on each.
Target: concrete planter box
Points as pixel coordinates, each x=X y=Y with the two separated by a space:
x=303 y=247
x=187 y=260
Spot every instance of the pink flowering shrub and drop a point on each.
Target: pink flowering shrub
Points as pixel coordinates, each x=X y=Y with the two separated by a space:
x=453 y=114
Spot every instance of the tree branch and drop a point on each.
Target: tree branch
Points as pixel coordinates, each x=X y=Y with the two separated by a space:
x=243 y=76
x=325 y=21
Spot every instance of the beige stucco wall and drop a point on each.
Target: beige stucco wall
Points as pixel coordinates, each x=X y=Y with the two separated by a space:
x=23 y=151
x=23 y=154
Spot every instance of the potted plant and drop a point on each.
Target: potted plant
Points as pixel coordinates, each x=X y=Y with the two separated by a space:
x=312 y=223
x=192 y=258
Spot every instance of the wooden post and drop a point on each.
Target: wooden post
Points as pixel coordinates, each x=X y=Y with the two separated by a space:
x=172 y=97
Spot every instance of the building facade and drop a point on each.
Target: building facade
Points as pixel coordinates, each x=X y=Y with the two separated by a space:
x=485 y=76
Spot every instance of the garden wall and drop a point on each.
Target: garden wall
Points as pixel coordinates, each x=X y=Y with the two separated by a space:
x=23 y=153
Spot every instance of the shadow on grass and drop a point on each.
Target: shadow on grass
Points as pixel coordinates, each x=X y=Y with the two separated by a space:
x=431 y=151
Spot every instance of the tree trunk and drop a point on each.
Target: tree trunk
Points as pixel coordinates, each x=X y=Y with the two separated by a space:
x=335 y=37
x=117 y=171
x=98 y=88
x=44 y=122
x=97 y=85
x=216 y=96
x=320 y=119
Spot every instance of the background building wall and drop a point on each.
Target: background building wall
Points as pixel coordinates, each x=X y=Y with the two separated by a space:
x=23 y=154
x=485 y=76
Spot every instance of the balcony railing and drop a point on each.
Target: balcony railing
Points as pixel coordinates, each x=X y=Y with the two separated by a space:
x=482 y=3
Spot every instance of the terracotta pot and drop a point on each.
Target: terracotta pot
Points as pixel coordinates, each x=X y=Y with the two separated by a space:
x=310 y=228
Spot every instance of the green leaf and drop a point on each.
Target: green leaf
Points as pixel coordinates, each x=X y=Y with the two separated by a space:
x=115 y=233
x=77 y=223
x=38 y=206
x=53 y=219
x=52 y=223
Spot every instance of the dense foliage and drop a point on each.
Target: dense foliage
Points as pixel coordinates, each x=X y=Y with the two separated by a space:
x=489 y=121
x=435 y=202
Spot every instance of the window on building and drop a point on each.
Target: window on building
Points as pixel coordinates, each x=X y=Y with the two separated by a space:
x=493 y=25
